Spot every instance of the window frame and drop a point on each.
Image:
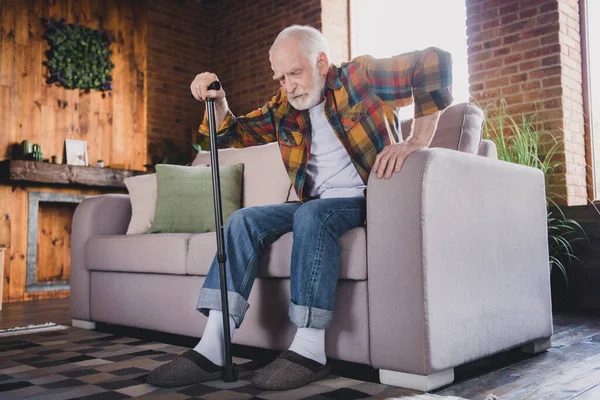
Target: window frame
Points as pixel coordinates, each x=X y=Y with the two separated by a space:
x=592 y=188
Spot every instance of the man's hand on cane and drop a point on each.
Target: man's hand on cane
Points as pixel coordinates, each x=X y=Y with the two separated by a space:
x=199 y=89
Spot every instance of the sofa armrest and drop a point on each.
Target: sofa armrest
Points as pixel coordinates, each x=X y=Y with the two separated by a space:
x=457 y=261
x=107 y=214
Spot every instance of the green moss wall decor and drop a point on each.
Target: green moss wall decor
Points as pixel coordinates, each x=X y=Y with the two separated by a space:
x=79 y=57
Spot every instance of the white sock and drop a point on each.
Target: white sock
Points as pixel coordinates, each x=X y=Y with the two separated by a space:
x=212 y=343
x=310 y=343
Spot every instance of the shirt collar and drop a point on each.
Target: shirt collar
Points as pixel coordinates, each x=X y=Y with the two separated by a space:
x=333 y=78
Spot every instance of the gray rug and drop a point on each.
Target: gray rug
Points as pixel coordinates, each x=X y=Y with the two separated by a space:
x=76 y=363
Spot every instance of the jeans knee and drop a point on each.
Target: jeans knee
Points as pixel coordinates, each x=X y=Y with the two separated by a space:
x=240 y=220
x=308 y=217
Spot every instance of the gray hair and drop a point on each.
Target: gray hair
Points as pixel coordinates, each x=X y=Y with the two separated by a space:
x=311 y=40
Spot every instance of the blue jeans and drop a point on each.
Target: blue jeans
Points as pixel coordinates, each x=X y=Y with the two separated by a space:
x=317 y=226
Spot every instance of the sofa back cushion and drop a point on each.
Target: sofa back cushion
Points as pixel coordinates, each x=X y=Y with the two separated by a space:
x=488 y=148
x=459 y=128
x=142 y=193
x=265 y=178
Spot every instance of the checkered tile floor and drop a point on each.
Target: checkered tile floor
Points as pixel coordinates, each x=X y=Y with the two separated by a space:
x=76 y=363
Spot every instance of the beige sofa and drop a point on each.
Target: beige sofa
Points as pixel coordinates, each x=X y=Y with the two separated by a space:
x=452 y=266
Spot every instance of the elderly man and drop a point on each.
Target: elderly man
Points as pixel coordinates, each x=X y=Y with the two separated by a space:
x=334 y=125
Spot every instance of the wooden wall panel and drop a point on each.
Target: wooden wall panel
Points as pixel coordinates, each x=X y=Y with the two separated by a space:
x=118 y=129
x=21 y=25
x=22 y=53
x=7 y=39
x=54 y=241
x=35 y=11
x=18 y=249
x=6 y=99
x=6 y=235
x=113 y=126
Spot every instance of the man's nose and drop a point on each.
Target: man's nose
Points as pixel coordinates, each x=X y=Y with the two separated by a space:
x=290 y=86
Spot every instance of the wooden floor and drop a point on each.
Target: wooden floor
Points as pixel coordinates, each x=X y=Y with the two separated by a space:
x=35 y=312
x=569 y=370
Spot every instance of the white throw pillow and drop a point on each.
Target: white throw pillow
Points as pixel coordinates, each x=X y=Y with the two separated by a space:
x=142 y=193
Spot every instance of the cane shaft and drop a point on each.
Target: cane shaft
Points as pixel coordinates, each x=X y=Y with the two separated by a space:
x=221 y=256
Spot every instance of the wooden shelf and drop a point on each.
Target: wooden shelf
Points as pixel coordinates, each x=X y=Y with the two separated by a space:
x=13 y=171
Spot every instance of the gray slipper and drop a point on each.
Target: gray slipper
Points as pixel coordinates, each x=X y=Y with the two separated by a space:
x=288 y=371
x=190 y=367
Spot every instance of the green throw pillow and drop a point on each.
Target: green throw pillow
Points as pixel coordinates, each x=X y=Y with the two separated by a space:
x=184 y=198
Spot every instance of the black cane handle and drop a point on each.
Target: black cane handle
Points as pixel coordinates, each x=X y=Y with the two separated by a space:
x=216 y=85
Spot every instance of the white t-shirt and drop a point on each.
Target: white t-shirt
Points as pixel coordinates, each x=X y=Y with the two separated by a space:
x=330 y=172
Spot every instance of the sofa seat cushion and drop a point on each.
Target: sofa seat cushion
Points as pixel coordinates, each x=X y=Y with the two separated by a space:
x=275 y=263
x=201 y=252
x=163 y=253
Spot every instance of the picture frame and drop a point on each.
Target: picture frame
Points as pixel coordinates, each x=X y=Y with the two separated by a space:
x=76 y=152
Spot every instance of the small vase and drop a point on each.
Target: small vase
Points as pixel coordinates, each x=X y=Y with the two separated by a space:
x=26 y=148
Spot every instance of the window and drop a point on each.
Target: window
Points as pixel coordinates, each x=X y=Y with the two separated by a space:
x=383 y=28
x=590 y=11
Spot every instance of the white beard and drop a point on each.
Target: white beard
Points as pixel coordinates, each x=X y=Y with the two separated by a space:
x=313 y=97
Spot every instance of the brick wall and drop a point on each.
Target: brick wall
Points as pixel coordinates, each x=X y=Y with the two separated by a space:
x=180 y=37
x=245 y=32
x=242 y=39
x=528 y=52
x=572 y=101
x=183 y=41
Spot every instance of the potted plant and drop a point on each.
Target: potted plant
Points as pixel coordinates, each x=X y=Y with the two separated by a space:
x=167 y=153
x=524 y=141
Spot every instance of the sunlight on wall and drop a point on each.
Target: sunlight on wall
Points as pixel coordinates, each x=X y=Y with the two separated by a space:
x=383 y=28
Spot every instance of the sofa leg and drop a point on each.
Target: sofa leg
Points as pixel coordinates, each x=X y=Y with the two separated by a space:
x=424 y=383
x=537 y=346
x=79 y=323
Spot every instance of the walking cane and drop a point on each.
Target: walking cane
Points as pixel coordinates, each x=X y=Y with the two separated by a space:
x=230 y=375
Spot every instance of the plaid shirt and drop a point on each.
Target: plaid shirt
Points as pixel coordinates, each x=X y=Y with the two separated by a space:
x=361 y=100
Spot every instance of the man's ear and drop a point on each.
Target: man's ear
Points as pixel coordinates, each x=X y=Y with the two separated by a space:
x=322 y=63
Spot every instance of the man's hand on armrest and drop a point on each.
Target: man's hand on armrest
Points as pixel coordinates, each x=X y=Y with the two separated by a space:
x=392 y=157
